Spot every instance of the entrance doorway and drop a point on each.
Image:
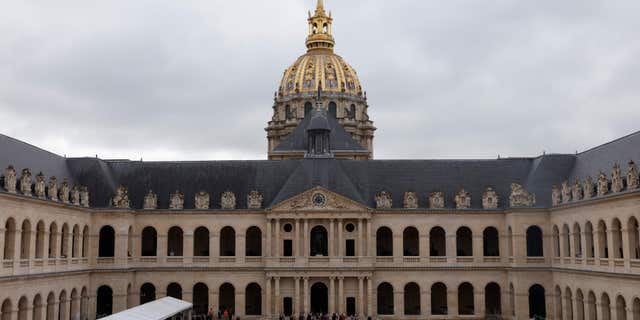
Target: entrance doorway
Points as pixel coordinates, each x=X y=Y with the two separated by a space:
x=351 y=306
x=319 y=243
x=287 y=305
x=319 y=298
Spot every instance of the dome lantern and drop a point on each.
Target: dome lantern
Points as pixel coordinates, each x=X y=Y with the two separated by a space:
x=320 y=34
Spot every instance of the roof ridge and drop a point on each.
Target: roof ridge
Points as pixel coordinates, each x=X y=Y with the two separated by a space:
x=610 y=142
x=31 y=145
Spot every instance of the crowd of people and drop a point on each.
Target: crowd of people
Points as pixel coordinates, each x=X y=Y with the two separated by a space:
x=230 y=315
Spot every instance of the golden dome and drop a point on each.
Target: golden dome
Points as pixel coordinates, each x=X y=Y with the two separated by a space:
x=320 y=66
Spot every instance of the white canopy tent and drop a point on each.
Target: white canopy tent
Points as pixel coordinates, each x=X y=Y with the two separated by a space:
x=160 y=309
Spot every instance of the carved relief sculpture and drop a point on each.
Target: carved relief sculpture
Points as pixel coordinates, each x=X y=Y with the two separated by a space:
x=150 y=201
x=587 y=187
x=520 y=197
x=10 y=179
x=254 y=200
x=383 y=200
x=121 y=199
x=576 y=191
x=25 y=182
x=603 y=184
x=489 y=199
x=632 y=176
x=75 y=195
x=202 y=200
x=436 y=200
x=84 y=197
x=556 y=195
x=566 y=192
x=410 y=200
x=40 y=186
x=463 y=199
x=52 y=191
x=176 y=201
x=228 y=200
x=63 y=194
x=616 y=179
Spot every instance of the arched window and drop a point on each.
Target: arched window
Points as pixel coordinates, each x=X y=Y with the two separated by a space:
x=411 y=242
x=556 y=242
x=534 y=242
x=147 y=293
x=577 y=240
x=25 y=239
x=385 y=299
x=175 y=242
x=439 y=299
x=588 y=236
x=53 y=240
x=149 y=242
x=308 y=107
x=568 y=302
x=412 y=299
x=174 y=290
x=253 y=300
x=64 y=243
x=591 y=305
x=566 y=243
x=634 y=240
x=6 y=309
x=559 y=302
x=636 y=309
x=616 y=229
x=37 y=307
x=201 y=242
x=107 y=241
x=9 y=239
x=104 y=302
x=75 y=304
x=228 y=242
x=465 y=299
x=40 y=230
x=85 y=242
x=23 y=308
x=621 y=308
x=319 y=245
x=579 y=304
x=603 y=245
x=200 y=299
x=512 y=299
x=51 y=307
x=253 y=244
x=75 y=242
x=537 y=304
x=332 y=109
x=352 y=112
x=287 y=112
x=490 y=242
x=492 y=301
x=227 y=297
x=464 y=242
x=605 y=304
x=84 y=304
x=384 y=242
x=437 y=242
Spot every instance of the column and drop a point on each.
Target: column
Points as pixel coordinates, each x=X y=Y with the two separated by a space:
x=306 y=293
x=583 y=240
x=267 y=309
x=610 y=245
x=425 y=299
x=296 y=241
x=424 y=244
x=340 y=251
x=162 y=244
x=296 y=298
x=360 y=310
x=478 y=249
x=341 y=306
x=478 y=301
x=268 y=246
x=214 y=244
x=187 y=245
x=64 y=308
x=398 y=301
x=371 y=248
x=360 y=246
x=332 y=238
x=626 y=248
x=332 y=295
x=277 y=296
x=277 y=238
x=241 y=246
x=369 y=296
x=2 y=230
x=240 y=300
x=17 y=250
x=451 y=246
x=32 y=245
x=452 y=300
x=305 y=245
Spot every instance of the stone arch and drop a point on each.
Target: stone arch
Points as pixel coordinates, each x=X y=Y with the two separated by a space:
x=535 y=246
x=85 y=241
x=384 y=242
x=37 y=307
x=412 y=299
x=201 y=242
x=537 y=302
x=174 y=290
x=603 y=244
x=9 y=239
x=228 y=242
x=75 y=304
x=558 y=302
x=333 y=109
x=592 y=310
x=53 y=240
x=580 y=302
x=634 y=238
x=616 y=233
x=253 y=242
x=439 y=299
x=466 y=304
x=308 y=107
x=147 y=293
x=621 y=308
x=411 y=242
x=227 y=297
x=577 y=240
x=636 y=309
x=566 y=242
x=385 y=299
x=253 y=300
x=588 y=243
x=464 y=242
x=84 y=303
x=51 y=307
x=149 y=242
x=568 y=302
x=556 y=241
x=319 y=242
x=200 y=299
x=319 y=298
x=437 y=242
x=6 y=310
x=605 y=305
x=175 y=242
x=107 y=242
x=23 y=308
x=64 y=242
x=492 y=300
x=104 y=301
x=75 y=241
x=490 y=242
x=62 y=308
x=512 y=299
x=40 y=233
x=25 y=239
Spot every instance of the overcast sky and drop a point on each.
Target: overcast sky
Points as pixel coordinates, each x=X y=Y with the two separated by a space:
x=194 y=80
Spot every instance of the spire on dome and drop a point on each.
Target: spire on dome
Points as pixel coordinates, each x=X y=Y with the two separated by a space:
x=320 y=33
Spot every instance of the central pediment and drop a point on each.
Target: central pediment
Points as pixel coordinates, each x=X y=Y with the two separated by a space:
x=319 y=199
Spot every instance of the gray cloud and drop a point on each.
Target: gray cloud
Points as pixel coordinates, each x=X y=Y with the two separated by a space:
x=195 y=79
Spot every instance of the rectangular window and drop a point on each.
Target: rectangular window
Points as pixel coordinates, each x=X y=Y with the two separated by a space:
x=288 y=248
x=351 y=248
